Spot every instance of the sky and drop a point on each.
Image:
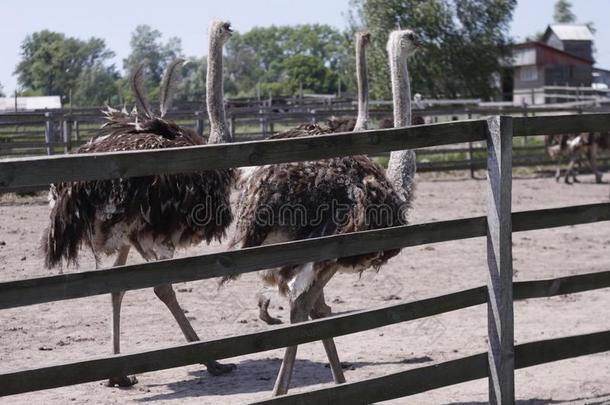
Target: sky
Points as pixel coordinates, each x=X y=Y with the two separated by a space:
x=114 y=20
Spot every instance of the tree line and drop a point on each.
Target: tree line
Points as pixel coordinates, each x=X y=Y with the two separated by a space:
x=463 y=44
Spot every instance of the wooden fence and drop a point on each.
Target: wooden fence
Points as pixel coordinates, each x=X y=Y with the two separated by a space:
x=498 y=363
x=60 y=131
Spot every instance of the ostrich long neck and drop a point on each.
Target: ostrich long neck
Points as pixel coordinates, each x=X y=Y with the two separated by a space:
x=363 y=86
x=215 y=94
x=401 y=167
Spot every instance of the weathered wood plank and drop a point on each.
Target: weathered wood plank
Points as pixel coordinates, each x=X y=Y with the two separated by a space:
x=444 y=374
x=75 y=285
x=35 y=171
x=500 y=327
x=561 y=124
x=88 y=283
x=558 y=217
x=560 y=286
x=357 y=321
x=194 y=353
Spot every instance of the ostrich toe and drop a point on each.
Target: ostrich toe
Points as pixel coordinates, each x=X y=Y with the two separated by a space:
x=123 y=381
x=215 y=368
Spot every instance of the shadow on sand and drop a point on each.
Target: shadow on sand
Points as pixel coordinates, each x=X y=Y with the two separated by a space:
x=258 y=376
x=590 y=400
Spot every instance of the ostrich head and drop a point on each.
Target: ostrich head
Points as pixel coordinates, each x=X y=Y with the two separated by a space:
x=405 y=42
x=221 y=30
x=363 y=38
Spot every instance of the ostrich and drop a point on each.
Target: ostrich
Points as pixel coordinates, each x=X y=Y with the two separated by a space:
x=335 y=124
x=318 y=187
x=346 y=123
x=154 y=214
x=574 y=147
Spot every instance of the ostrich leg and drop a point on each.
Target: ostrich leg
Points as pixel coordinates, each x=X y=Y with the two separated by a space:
x=570 y=170
x=592 y=157
x=166 y=293
x=558 y=170
x=117 y=299
x=321 y=310
x=263 y=310
x=300 y=308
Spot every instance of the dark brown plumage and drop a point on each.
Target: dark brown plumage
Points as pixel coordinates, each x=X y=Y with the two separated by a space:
x=302 y=200
x=388 y=122
x=155 y=214
x=341 y=124
x=302 y=130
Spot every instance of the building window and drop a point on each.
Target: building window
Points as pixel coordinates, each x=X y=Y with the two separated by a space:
x=529 y=73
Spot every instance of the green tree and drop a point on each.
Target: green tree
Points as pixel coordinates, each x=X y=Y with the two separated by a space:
x=51 y=62
x=191 y=87
x=310 y=72
x=1 y=90
x=96 y=86
x=147 y=45
x=563 y=12
x=259 y=57
x=463 y=42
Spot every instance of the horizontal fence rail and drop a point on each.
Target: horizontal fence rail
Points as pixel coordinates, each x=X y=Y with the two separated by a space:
x=80 y=167
x=88 y=283
x=337 y=325
x=448 y=373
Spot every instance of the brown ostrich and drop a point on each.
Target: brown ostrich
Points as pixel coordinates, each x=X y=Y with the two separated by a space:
x=574 y=148
x=154 y=214
x=317 y=188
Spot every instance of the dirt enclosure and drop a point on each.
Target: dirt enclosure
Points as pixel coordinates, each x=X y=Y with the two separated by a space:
x=79 y=329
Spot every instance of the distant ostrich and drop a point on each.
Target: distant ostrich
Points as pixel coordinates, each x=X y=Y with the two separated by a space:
x=574 y=148
x=154 y=214
x=347 y=123
x=356 y=183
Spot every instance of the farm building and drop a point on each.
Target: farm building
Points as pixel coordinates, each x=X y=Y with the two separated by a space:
x=545 y=71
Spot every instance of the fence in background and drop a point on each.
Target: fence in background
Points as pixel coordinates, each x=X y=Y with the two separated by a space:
x=61 y=131
x=498 y=363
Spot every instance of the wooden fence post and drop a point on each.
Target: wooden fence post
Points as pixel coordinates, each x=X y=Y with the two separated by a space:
x=263 y=126
x=199 y=124
x=67 y=134
x=470 y=153
x=499 y=261
x=232 y=127
x=77 y=132
x=49 y=135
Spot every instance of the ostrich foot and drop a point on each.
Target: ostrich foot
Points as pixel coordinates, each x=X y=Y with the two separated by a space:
x=598 y=179
x=576 y=180
x=123 y=381
x=263 y=311
x=215 y=368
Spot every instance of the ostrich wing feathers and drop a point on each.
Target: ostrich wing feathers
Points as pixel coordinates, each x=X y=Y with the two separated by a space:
x=137 y=86
x=169 y=85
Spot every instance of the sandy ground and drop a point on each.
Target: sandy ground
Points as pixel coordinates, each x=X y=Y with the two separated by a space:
x=79 y=329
